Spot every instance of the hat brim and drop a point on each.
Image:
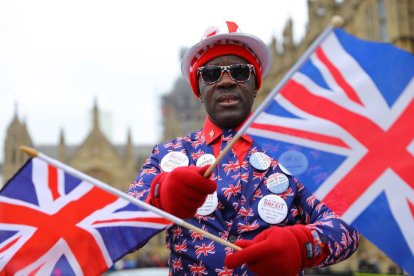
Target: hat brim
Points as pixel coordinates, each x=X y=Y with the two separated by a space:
x=259 y=48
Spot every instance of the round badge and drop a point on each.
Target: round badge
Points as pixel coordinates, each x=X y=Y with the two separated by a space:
x=206 y=159
x=272 y=209
x=209 y=206
x=294 y=161
x=260 y=161
x=283 y=169
x=173 y=160
x=277 y=183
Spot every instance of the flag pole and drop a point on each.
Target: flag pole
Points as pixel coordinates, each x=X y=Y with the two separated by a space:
x=34 y=153
x=336 y=22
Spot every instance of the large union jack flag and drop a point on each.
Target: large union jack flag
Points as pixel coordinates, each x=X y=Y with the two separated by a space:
x=52 y=223
x=344 y=125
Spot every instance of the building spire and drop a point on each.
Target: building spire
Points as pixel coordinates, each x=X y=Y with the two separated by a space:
x=16 y=110
x=95 y=115
x=129 y=153
x=62 y=146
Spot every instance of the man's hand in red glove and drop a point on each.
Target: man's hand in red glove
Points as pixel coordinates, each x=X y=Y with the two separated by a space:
x=181 y=191
x=276 y=251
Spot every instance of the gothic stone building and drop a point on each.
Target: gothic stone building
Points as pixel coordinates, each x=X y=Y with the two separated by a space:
x=95 y=156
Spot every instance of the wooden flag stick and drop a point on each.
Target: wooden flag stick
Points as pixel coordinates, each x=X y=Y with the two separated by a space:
x=34 y=153
x=29 y=151
x=336 y=21
x=223 y=153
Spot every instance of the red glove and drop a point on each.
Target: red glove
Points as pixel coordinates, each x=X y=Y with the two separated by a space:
x=181 y=191
x=276 y=251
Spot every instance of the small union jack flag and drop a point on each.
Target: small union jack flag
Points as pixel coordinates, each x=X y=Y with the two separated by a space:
x=204 y=249
x=344 y=125
x=52 y=223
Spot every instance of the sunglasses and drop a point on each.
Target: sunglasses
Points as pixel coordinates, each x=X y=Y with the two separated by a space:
x=213 y=73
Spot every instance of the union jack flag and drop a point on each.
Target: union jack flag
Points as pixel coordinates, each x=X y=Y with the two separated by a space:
x=198 y=269
x=177 y=264
x=52 y=223
x=205 y=249
x=344 y=125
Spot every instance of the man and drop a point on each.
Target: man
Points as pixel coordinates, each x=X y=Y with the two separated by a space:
x=249 y=198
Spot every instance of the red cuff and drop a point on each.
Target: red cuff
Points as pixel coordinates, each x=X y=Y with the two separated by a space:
x=154 y=194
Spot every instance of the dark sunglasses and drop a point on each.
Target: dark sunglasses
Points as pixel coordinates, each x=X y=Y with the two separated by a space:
x=213 y=73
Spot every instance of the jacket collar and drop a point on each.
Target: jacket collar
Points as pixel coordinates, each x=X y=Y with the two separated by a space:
x=212 y=132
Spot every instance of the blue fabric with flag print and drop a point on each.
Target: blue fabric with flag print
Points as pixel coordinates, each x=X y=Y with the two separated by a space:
x=240 y=212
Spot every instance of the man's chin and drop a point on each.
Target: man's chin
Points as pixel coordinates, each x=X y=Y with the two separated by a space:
x=229 y=121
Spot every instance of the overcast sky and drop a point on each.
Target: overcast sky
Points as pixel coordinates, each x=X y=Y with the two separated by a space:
x=56 y=57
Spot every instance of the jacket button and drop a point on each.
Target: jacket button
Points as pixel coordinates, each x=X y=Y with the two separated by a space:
x=232 y=238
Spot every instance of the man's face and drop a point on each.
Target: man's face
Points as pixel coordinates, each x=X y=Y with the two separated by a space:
x=227 y=102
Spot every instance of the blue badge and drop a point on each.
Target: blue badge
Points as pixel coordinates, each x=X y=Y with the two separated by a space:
x=294 y=161
x=260 y=161
x=277 y=183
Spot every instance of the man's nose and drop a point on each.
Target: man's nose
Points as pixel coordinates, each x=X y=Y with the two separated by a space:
x=226 y=80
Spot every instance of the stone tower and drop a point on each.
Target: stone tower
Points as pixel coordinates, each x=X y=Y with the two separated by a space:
x=97 y=157
x=17 y=135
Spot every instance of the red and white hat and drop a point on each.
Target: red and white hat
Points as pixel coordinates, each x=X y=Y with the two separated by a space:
x=226 y=40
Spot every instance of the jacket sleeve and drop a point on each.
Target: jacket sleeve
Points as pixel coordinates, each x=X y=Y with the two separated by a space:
x=149 y=170
x=336 y=238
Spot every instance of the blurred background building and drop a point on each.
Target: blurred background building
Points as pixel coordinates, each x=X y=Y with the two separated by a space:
x=96 y=155
x=378 y=20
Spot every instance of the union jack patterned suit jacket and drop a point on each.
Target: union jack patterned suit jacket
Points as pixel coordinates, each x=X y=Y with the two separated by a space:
x=239 y=189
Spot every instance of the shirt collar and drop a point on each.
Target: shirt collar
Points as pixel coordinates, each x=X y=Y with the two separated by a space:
x=212 y=132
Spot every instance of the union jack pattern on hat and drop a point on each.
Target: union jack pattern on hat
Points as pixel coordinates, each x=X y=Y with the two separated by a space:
x=231 y=27
x=226 y=39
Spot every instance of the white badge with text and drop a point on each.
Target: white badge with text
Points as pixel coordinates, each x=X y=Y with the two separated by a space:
x=173 y=160
x=205 y=159
x=209 y=206
x=272 y=209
